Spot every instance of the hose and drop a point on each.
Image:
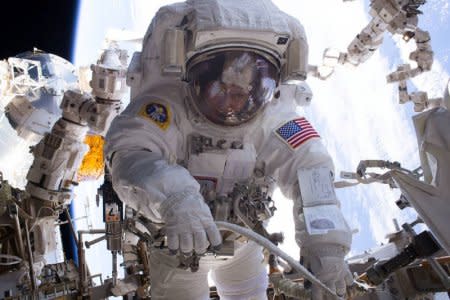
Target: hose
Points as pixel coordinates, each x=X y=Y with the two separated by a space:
x=275 y=250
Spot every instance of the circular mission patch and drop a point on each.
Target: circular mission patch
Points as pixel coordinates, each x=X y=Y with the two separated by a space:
x=157 y=113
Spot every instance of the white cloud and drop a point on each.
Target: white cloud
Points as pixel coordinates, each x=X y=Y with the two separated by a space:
x=442 y=8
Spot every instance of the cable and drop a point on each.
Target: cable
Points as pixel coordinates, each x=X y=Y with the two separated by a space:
x=13 y=260
x=36 y=219
x=274 y=249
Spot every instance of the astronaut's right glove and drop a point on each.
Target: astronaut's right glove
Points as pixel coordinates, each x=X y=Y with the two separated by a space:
x=189 y=223
x=327 y=263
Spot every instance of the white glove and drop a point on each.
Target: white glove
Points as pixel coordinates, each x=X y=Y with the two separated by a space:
x=189 y=224
x=327 y=263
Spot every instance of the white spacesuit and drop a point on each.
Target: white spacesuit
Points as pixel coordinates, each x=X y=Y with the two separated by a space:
x=214 y=92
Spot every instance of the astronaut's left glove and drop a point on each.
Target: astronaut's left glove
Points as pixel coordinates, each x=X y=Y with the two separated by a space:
x=189 y=223
x=327 y=263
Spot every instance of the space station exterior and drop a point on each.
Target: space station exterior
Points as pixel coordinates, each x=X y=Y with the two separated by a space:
x=64 y=119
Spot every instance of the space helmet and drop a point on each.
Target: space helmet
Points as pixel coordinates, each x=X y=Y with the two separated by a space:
x=232 y=54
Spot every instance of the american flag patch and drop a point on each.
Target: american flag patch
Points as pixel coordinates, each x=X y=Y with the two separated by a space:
x=296 y=132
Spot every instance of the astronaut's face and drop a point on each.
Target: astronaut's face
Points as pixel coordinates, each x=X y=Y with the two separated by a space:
x=224 y=100
x=230 y=88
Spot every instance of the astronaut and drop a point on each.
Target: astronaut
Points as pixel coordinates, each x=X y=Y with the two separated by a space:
x=214 y=93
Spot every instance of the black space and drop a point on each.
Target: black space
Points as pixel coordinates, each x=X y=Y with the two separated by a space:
x=45 y=24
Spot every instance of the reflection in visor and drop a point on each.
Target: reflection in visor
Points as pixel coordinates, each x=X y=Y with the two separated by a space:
x=226 y=99
x=230 y=87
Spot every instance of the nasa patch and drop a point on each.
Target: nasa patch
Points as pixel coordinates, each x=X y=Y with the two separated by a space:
x=156 y=113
